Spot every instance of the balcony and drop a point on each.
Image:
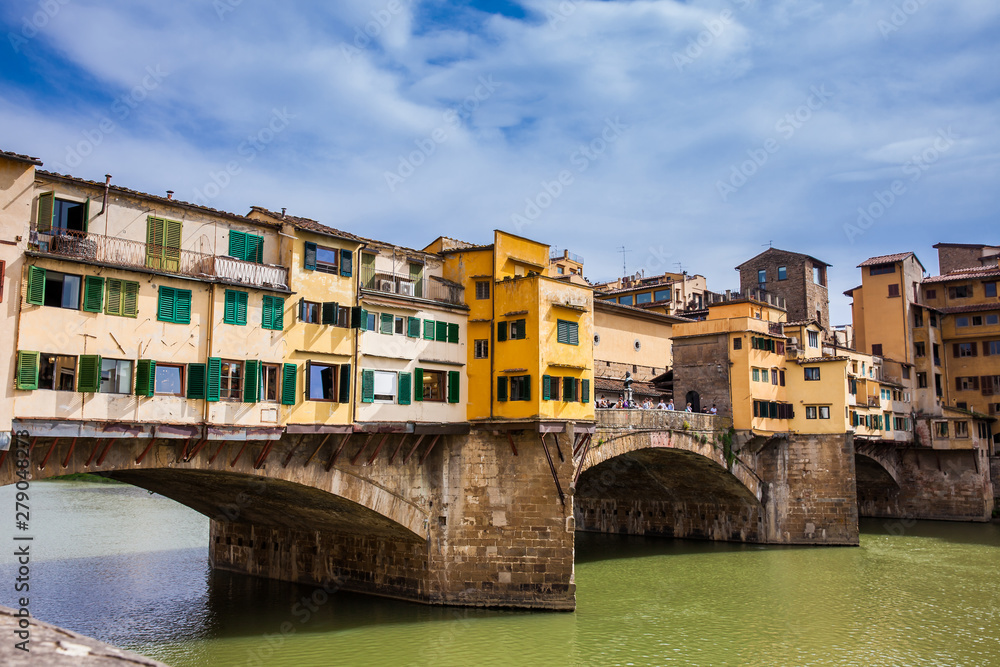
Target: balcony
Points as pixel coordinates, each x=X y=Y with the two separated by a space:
x=434 y=289
x=131 y=254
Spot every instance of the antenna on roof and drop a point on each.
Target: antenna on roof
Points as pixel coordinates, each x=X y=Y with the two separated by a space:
x=680 y=267
x=769 y=244
x=623 y=250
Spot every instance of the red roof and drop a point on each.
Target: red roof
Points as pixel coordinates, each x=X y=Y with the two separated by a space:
x=966 y=274
x=308 y=225
x=974 y=308
x=21 y=158
x=886 y=259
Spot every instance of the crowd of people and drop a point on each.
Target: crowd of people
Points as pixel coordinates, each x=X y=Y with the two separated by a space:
x=647 y=404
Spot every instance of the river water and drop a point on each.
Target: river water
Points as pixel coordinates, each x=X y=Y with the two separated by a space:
x=130 y=568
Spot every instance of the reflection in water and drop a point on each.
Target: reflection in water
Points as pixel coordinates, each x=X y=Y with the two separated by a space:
x=119 y=564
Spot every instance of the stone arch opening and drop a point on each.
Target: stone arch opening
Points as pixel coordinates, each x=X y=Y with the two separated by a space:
x=694 y=399
x=877 y=484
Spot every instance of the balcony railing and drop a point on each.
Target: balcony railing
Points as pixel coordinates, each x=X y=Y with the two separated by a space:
x=413 y=286
x=128 y=253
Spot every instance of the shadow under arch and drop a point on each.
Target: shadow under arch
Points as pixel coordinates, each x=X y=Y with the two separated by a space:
x=667 y=492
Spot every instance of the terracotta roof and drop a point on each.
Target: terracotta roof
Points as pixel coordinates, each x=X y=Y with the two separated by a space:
x=787 y=252
x=157 y=198
x=634 y=288
x=966 y=274
x=851 y=291
x=975 y=308
x=618 y=386
x=886 y=259
x=308 y=225
x=611 y=304
x=963 y=245
x=21 y=158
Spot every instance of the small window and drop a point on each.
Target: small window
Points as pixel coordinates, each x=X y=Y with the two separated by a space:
x=399 y=325
x=811 y=373
x=169 y=380
x=918 y=317
x=977 y=320
x=434 y=385
x=922 y=380
x=824 y=412
x=737 y=343
x=520 y=388
x=625 y=300
x=232 y=380
x=560 y=270
x=69 y=216
x=961 y=321
x=930 y=294
x=812 y=412
x=645 y=297
x=992 y=320
x=894 y=290
x=62 y=290
x=990 y=289
x=385 y=386
x=235 y=307
x=269 y=382
x=371 y=320
x=762 y=276
x=482 y=289
x=518 y=330
x=116 y=376
x=877 y=349
x=57 y=372
x=482 y=349
x=941 y=429
x=328 y=260
x=309 y=312
x=934 y=320
x=782 y=273
x=321 y=382
x=247 y=247
x=774 y=376
x=661 y=295
x=959 y=292
x=920 y=349
x=813 y=339
x=992 y=347
x=567 y=332
x=882 y=269
x=965 y=350
x=273 y=313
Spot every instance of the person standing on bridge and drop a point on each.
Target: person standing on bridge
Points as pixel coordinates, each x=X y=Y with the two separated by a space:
x=688 y=408
x=670 y=405
x=713 y=411
x=661 y=405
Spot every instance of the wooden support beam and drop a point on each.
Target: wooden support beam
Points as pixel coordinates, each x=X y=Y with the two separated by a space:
x=264 y=453
x=197 y=448
x=586 y=450
x=107 y=448
x=139 y=458
x=354 y=461
x=31 y=447
x=65 y=463
x=211 y=459
x=413 y=448
x=52 y=448
x=510 y=439
x=97 y=445
x=343 y=443
x=398 y=447
x=291 y=453
x=429 y=448
x=316 y=451
x=552 y=467
x=239 y=454
x=3 y=457
x=562 y=459
x=378 y=448
x=184 y=450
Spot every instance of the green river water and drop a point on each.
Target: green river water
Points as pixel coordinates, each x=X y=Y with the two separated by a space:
x=130 y=568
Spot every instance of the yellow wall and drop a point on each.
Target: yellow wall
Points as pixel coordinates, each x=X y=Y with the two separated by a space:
x=620 y=330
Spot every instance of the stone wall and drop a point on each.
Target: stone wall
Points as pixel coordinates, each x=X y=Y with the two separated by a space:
x=803 y=297
x=617 y=370
x=702 y=364
x=995 y=476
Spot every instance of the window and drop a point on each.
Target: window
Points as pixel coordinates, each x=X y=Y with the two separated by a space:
x=520 y=388
x=934 y=319
x=269 y=382
x=755 y=373
x=327 y=260
x=560 y=270
x=894 y=290
x=941 y=429
x=55 y=215
x=762 y=276
x=567 y=332
x=774 y=376
x=930 y=294
x=369 y=321
x=961 y=321
x=235 y=308
x=922 y=380
x=116 y=376
x=308 y=312
x=881 y=269
x=174 y=305
x=990 y=289
x=56 y=372
x=737 y=343
x=122 y=298
x=661 y=295
x=645 y=297
x=781 y=378
x=782 y=273
x=482 y=289
x=50 y=288
x=877 y=349
x=964 y=350
x=429 y=329
x=169 y=380
x=811 y=412
x=399 y=325
x=991 y=347
x=977 y=320
x=813 y=339
x=273 y=313
x=481 y=349
x=163 y=244
x=322 y=382
x=824 y=412
x=231 y=386
x=625 y=300
x=433 y=383
x=918 y=317
x=518 y=330
x=811 y=373
x=248 y=247
x=920 y=349
x=384 y=386
x=961 y=429
x=386 y=323
x=959 y=292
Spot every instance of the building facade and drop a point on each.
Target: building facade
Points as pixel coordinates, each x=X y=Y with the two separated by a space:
x=801 y=280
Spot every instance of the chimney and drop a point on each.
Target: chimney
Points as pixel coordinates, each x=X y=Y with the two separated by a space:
x=283 y=212
x=107 y=187
x=170 y=194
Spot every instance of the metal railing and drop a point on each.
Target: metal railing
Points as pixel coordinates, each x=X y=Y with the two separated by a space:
x=406 y=285
x=129 y=253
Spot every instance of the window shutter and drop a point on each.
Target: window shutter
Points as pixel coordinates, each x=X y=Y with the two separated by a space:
x=36 y=285
x=27 y=370
x=267 y=312
x=196 y=376
x=955 y=350
x=562 y=335
x=367 y=386
x=525 y=387
x=418 y=384
x=310 y=256
x=93 y=294
x=242 y=299
x=46 y=208
x=441 y=334
x=130 y=302
x=363 y=323
x=307 y=385
x=428 y=329
x=574 y=333
x=356 y=321
x=237 y=244
x=975 y=348
x=302 y=310
x=501 y=388
x=975 y=383
x=289 y=373
x=182 y=306
x=346 y=262
x=165 y=306
x=405 y=389
x=569 y=394
x=213 y=387
x=345 y=383
x=386 y=320
x=277 y=313
x=251 y=381
x=88 y=374
x=986 y=382
x=501 y=331
x=958 y=383
x=413 y=327
x=255 y=248
x=329 y=312
x=145 y=375
x=154 y=242
x=229 y=313
x=452 y=332
x=585 y=391
x=546 y=388
x=454 y=386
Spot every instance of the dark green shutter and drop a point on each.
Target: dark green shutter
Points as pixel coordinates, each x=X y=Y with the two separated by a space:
x=130 y=299
x=213 y=388
x=310 y=256
x=46 y=208
x=569 y=389
x=428 y=329
x=276 y=317
x=242 y=302
x=229 y=313
x=386 y=323
x=237 y=244
x=255 y=248
x=267 y=312
x=413 y=327
x=93 y=294
x=165 y=305
x=363 y=320
x=182 y=306
x=36 y=285
x=441 y=333
x=454 y=386
x=251 y=381
x=27 y=370
x=329 y=312
x=367 y=386
x=585 y=391
x=145 y=376
x=418 y=384
x=405 y=389
x=289 y=373
x=546 y=387
x=526 y=387
x=346 y=262
x=356 y=317
x=86 y=215
x=88 y=373
x=307 y=385
x=501 y=331
x=197 y=376
x=501 y=388
x=345 y=383
x=236 y=307
x=452 y=332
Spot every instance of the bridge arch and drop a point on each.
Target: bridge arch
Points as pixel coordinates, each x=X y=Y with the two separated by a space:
x=877 y=464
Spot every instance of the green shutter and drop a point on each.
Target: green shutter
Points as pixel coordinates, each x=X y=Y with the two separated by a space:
x=452 y=332
x=346 y=262
x=86 y=215
x=310 y=256
x=46 y=208
x=88 y=373
x=145 y=376
x=241 y=308
x=165 y=305
x=501 y=331
x=182 y=306
x=130 y=299
x=418 y=384
x=345 y=383
x=501 y=388
x=454 y=386
x=328 y=312
x=356 y=317
x=441 y=332
x=546 y=387
x=428 y=329
x=235 y=308
x=36 y=285
x=213 y=387
x=251 y=381
x=569 y=389
x=585 y=391
x=386 y=320
x=154 y=242
x=27 y=370
x=93 y=294
x=257 y=247
x=114 y=302
x=363 y=320
x=237 y=244
x=367 y=386
x=526 y=387
x=171 y=245
x=413 y=327
x=273 y=313
x=289 y=373
x=196 y=377
x=405 y=389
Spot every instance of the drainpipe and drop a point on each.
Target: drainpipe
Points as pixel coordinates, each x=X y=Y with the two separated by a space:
x=104 y=203
x=352 y=411
x=210 y=338
x=493 y=323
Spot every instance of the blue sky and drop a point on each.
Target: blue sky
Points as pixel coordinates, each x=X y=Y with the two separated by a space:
x=692 y=133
